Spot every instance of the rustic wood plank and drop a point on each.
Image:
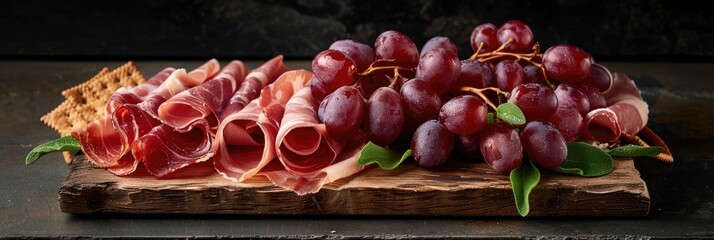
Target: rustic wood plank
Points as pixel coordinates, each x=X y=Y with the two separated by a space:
x=457 y=189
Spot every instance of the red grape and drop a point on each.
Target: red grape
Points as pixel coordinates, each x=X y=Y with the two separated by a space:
x=432 y=144
x=463 y=115
x=343 y=112
x=333 y=69
x=501 y=147
x=362 y=54
x=385 y=116
x=544 y=144
x=419 y=100
x=398 y=46
x=318 y=88
x=440 y=68
x=568 y=121
x=520 y=33
x=533 y=74
x=599 y=77
x=509 y=74
x=468 y=146
x=474 y=74
x=536 y=101
x=486 y=34
x=566 y=63
x=368 y=84
x=595 y=97
x=439 y=42
x=570 y=96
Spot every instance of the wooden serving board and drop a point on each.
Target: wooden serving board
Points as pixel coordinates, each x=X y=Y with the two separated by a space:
x=457 y=188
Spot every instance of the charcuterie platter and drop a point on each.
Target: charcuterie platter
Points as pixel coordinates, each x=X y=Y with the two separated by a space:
x=388 y=130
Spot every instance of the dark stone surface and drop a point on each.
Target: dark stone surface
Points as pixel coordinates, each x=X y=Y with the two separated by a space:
x=85 y=29
x=682 y=196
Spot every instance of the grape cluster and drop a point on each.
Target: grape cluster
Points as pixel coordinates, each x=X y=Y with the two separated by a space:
x=396 y=94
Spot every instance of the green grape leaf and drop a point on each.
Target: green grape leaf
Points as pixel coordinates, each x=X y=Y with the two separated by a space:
x=586 y=160
x=387 y=159
x=510 y=113
x=67 y=143
x=635 y=151
x=524 y=179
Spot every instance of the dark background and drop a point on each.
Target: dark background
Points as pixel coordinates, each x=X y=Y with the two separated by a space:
x=611 y=30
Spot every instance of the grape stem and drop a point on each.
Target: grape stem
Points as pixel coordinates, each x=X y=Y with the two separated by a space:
x=371 y=70
x=479 y=92
x=499 y=52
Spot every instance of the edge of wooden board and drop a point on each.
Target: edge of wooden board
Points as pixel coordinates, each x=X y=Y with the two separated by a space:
x=458 y=188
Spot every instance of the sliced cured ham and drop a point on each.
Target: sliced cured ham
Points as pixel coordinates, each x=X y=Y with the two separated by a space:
x=157 y=149
x=311 y=157
x=253 y=83
x=626 y=113
x=107 y=141
x=246 y=139
x=176 y=83
x=127 y=95
x=345 y=165
x=201 y=104
x=164 y=150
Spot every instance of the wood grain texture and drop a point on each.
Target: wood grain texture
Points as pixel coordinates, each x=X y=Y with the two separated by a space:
x=456 y=189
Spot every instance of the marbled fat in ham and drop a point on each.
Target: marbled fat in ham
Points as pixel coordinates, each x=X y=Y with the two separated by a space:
x=134 y=95
x=165 y=150
x=201 y=104
x=176 y=83
x=253 y=83
x=626 y=113
x=246 y=139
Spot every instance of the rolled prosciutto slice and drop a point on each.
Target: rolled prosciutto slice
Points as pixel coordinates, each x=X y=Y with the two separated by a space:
x=164 y=150
x=176 y=83
x=344 y=165
x=626 y=113
x=311 y=157
x=253 y=83
x=246 y=139
x=201 y=104
x=127 y=95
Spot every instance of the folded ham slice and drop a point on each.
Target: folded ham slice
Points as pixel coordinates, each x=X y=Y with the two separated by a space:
x=164 y=150
x=180 y=82
x=253 y=83
x=128 y=95
x=626 y=113
x=246 y=139
x=107 y=141
x=310 y=156
x=201 y=104
x=190 y=121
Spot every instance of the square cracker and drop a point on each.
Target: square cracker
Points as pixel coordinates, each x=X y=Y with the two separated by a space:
x=96 y=91
x=85 y=102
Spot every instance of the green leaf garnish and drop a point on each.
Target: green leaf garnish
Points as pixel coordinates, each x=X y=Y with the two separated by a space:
x=67 y=143
x=510 y=113
x=524 y=179
x=387 y=159
x=635 y=151
x=586 y=160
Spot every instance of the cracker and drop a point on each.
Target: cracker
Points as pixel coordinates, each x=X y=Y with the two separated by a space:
x=85 y=102
x=96 y=91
